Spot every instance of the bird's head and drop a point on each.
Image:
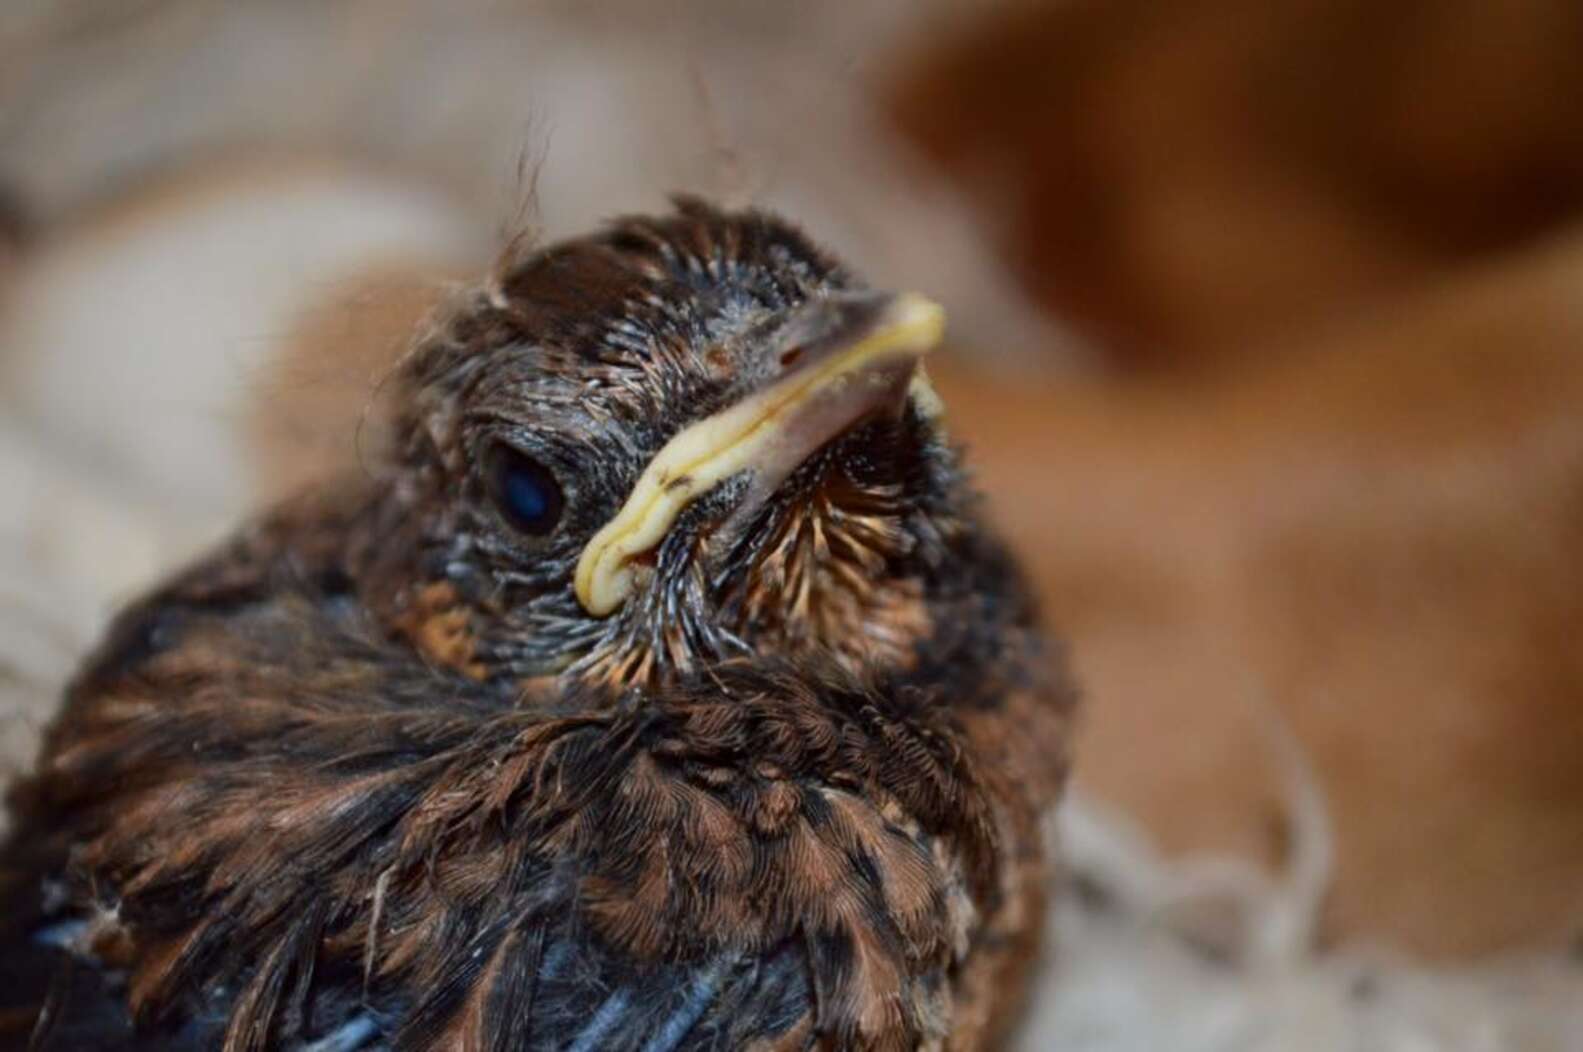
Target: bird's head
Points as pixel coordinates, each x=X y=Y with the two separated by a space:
x=674 y=442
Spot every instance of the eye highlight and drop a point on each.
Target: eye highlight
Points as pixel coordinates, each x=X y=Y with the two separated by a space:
x=524 y=490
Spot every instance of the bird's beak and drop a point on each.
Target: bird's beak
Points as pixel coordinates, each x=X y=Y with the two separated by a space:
x=844 y=359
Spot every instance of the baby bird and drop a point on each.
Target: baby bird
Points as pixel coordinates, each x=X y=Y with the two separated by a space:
x=659 y=688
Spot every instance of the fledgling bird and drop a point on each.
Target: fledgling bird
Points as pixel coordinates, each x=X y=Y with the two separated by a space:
x=659 y=688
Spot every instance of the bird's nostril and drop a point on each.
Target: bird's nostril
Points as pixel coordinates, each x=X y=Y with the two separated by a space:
x=791 y=357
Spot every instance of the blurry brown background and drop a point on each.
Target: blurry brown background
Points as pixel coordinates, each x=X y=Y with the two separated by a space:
x=1327 y=251
x=1267 y=343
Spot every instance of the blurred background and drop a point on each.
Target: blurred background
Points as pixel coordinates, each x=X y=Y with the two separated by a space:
x=1266 y=342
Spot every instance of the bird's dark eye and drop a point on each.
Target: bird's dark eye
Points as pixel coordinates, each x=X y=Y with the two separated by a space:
x=525 y=491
